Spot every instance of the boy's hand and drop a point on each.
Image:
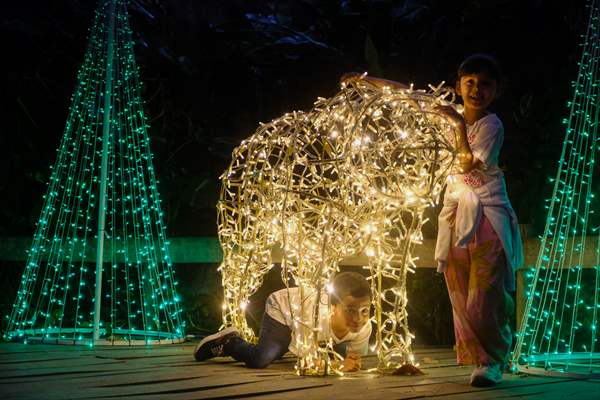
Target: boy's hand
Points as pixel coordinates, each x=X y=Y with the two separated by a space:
x=351 y=363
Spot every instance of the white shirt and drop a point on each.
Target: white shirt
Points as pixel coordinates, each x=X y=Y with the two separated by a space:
x=487 y=197
x=278 y=307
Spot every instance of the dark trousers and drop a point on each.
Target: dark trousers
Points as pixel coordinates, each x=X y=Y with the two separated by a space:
x=273 y=342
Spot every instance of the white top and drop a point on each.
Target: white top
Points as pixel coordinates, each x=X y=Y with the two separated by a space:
x=480 y=192
x=278 y=307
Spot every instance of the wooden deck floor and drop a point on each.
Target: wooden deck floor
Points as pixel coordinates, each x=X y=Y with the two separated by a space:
x=169 y=372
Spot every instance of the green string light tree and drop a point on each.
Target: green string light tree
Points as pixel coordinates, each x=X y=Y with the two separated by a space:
x=558 y=333
x=99 y=270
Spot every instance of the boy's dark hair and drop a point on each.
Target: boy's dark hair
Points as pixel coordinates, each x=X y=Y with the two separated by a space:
x=349 y=283
x=481 y=63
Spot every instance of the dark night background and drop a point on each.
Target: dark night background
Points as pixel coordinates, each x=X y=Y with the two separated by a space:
x=212 y=70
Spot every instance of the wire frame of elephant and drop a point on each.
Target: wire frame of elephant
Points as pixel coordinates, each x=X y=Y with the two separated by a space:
x=351 y=176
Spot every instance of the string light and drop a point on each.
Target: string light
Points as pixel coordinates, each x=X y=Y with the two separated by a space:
x=55 y=301
x=558 y=331
x=352 y=175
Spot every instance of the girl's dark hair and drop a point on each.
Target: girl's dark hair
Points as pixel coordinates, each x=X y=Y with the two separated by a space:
x=481 y=63
x=349 y=283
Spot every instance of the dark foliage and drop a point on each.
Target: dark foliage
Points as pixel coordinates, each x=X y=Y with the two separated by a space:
x=213 y=69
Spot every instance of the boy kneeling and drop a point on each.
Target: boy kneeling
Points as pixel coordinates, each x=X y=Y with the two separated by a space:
x=348 y=325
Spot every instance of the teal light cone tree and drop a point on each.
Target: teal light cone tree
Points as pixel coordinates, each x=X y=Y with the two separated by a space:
x=559 y=329
x=99 y=269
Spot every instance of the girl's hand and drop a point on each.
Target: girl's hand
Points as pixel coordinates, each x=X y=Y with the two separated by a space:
x=451 y=113
x=451 y=218
x=350 y=76
x=351 y=363
x=465 y=155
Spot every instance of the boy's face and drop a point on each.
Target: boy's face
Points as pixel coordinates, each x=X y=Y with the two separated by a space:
x=477 y=90
x=353 y=312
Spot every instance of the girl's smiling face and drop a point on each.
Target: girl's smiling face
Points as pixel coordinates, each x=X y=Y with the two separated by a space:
x=477 y=90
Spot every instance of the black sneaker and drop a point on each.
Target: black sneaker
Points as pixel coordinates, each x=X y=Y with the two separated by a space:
x=212 y=346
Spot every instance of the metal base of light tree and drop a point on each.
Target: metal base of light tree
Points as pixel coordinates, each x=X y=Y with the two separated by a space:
x=573 y=365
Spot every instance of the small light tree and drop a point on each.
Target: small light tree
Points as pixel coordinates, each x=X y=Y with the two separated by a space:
x=559 y=330
x=99 y=268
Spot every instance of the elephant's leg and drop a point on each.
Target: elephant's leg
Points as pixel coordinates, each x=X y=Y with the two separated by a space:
x=394 y=338
x=242 y=274
x=235 y=294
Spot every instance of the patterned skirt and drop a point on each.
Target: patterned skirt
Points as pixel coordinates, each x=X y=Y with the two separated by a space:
x=475 y=278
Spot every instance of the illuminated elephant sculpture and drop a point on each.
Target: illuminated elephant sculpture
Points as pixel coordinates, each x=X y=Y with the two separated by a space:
x=351 y=176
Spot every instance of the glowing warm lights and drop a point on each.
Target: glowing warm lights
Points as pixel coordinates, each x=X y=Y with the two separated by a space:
x=353 y=175
x=558 y=331
x=103 y=181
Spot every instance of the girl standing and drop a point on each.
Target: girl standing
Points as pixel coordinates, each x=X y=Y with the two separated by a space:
x=478 y=245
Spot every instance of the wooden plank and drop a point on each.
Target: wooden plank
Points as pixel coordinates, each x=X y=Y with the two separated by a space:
x=541 y=389
x=169 y=372
x=229 y=391
x=207 y=250
x=182 y=249
x=141 y=385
